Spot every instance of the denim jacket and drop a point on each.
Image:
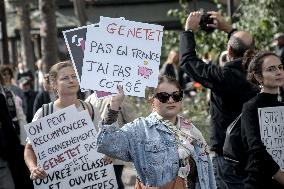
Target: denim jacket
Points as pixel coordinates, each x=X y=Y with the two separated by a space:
x=152 y=148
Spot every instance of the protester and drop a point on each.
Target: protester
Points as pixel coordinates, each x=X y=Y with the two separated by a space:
x=25 y=85
x=228 y=84
x=171 y=68
x=39 y=76
x=13 y=173
x=14 y=104
x=8 y=75
x=126 y=115
x=167 y=150
x=264 y=70
x=44 y=97
x=23 y=71
x=64 y=82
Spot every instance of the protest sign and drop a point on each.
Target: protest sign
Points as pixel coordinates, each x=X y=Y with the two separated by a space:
x=91 y=174
x=61 y=137
x=75 y=42
x=65 y=146
x=111 y=59
x=271 y=121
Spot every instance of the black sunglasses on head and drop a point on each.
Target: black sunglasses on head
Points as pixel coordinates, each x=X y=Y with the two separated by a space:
x=164 y=97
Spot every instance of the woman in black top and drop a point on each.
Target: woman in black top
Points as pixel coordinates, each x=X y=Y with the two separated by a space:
x=265 y=70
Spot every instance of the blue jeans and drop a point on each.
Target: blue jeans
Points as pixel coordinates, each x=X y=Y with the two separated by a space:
x=6 y=180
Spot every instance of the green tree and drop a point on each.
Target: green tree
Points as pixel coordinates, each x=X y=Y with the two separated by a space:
x=263 y=18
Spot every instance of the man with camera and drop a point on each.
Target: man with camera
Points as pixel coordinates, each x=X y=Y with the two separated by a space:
x=228 y=84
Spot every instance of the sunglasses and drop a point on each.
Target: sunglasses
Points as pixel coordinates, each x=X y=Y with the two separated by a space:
x=164 y=97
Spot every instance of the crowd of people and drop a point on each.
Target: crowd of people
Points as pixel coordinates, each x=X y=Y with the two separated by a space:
x=167 y=150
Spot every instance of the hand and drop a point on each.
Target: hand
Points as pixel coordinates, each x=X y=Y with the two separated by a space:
x=117 y=100
x=108 y=159
x=37 y=173
x=220 y=22
x=192 y=21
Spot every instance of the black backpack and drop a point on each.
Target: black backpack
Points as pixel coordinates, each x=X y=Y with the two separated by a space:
x=233 y=149
x=48 y=109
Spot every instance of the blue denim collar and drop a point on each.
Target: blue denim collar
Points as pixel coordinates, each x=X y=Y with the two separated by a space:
x=154 y=121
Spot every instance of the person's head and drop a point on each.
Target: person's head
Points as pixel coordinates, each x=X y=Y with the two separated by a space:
x=21 y=66
x=266 y=69
x=63 y=79
x=46 y=83
x=166 y=99
x=238 y=44
x=173 y=57
x=278 y=39
x=7 y=74
x=25 y=84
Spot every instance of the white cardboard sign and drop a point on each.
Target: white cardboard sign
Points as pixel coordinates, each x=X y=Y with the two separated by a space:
x=64 y=142
x=129 y=56
x=271 y=121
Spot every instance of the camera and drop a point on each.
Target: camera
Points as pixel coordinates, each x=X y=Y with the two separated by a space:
x=205 y=19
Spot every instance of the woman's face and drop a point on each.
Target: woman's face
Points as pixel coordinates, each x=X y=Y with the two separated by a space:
x=272 y=72
x=171 y=107
x=66 y=83
x=6 y=77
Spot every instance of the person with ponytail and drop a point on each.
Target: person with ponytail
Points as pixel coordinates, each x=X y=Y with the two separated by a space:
x=265 y=71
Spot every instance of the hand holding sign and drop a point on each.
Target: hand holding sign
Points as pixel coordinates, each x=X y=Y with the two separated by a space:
x=117 y=100
x=37 y=173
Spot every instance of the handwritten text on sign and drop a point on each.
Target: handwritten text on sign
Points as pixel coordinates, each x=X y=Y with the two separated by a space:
x=272 y=132
x=92 y=174
x=62 y=137
x=123 y=51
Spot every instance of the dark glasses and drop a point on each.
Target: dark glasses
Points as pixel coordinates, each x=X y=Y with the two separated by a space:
x=164 y=97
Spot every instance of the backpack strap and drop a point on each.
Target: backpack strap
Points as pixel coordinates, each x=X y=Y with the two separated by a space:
x=88 y=105
x=47 y=109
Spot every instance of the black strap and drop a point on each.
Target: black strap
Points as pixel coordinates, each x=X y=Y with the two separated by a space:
x=89 y=107
x=93 y=111
x=47 y=109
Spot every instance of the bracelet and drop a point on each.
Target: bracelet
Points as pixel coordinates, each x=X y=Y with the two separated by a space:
x=231 y=32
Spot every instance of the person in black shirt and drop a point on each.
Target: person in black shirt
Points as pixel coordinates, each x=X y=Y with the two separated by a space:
x=228 y=84
x=265 y=70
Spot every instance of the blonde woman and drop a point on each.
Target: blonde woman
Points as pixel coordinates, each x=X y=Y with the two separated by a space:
x=65 y=85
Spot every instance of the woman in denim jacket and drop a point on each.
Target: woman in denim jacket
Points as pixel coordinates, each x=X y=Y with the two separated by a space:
x=167 y=150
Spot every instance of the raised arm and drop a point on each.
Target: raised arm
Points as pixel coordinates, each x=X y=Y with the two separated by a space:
x=209 y=75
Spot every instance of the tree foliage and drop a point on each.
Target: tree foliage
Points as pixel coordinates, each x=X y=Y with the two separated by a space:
x=263 y=18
